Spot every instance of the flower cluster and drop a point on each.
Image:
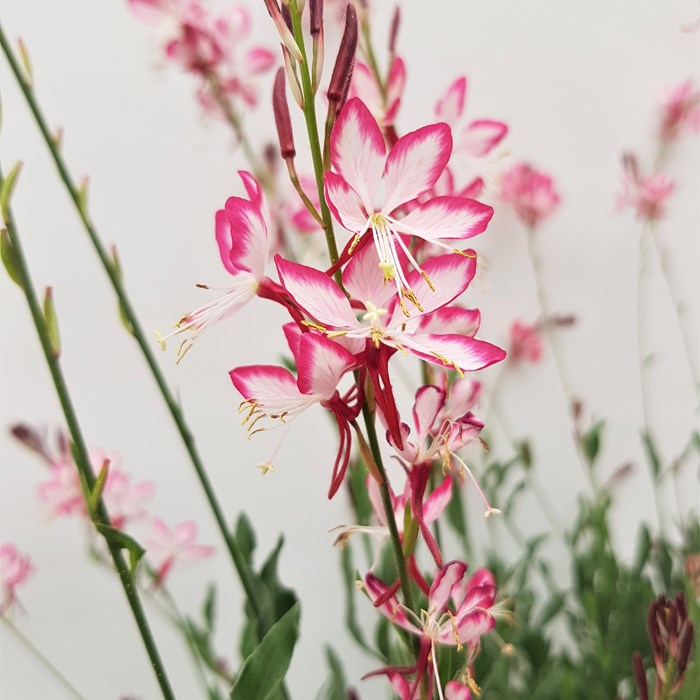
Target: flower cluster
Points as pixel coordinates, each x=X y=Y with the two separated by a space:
x=15 y=569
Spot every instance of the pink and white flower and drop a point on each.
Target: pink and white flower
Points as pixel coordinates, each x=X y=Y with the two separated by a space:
x=168 y=547
x=463 y=624
x=272 y=395
x=646 y=194
x=382 y=104
x=525 y=342
x=126 y=501
x=412 y=167
x=15 y=568
x=530 y=192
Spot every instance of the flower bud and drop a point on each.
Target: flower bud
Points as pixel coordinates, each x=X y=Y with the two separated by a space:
x=316 y=9
x=345 y=61
x=283 y=29
x=282 y=120
x=394 y=31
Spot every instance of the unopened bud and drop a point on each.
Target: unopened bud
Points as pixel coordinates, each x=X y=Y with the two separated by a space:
x=345 y=62
x=283 y=28
x=282 y=119
x=316 y=8
x=292 y=77
x=30 y=438
x=394 y=31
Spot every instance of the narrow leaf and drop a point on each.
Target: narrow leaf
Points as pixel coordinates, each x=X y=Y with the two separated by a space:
x=96 y=494
x=8 y=185
x=52 y=322
x=652 y=454
x=9 y=259
x=120 y=539
x=264 y=669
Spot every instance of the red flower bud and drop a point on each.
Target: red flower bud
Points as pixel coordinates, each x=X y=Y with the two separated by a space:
x=282 y=120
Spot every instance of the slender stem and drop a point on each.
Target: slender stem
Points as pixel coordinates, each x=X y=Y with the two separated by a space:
x=67 y=685
x=99 y=515
x=300 y=191
x=372 y=60
x=399 y=558
x=237 y=557
x=679 y=308
x=312 y=130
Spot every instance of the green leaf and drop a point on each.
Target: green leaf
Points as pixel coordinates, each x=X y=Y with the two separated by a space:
x=590 y=441
x=52 y=322
x=123 y=315
x=6 y=188
x=9 y=259
x=120 y=539
x=99 y=486
x=209 y=607
x=335 y=687
x=245 y=537
x=357 y=475
x=652 y=454
x=263 y=671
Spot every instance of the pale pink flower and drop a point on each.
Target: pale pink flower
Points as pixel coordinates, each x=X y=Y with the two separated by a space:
x=62 y=492
x=170 y=547
x=530 y=192
x=382 y=105
x=646 y=194
x=525 y=342
x=470 y=617
x=15 y=568
x=475 y=146
x=680 y=112
x=125 y=501
x=413 y=166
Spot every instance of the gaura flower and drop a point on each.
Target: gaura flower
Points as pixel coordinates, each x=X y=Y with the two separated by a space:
x=531 y=193
x=680 y=112
x=525 y=342
x=168 y=547
x=412 y=167
x=242 y=235
x=274 y=397
x=383 y=105
x=15 y=568
x=461 y=625
x=646 y=194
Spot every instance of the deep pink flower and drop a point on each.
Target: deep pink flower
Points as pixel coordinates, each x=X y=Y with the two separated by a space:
x=274 y=397
x=463 y=624
x=413 y=166
x=646 y=194
x=525 y=342
x=168 y=547
x=531 y=193
x=680 y=112
x=15 y=568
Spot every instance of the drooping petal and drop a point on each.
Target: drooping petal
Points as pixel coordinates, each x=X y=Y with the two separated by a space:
x=447 y=217
x=451 y=105
x=457 y=691
x=224 y=239
x=481 y=137
x=377 y=589
x=344 y=203
x=365 y=282
x=441 y=589
x=473 y=626
x=316 y=293
x=428 y=403
x=451 y=319
x=415 y=164
x=252 y=188
x=250 y=242
x=454 y=351
x=271 y=387
x=462 y=398
x=478 y=591
x=364 y=87
x=394 y=89
x=321 y=365
x=358 y=151
x=437 y=501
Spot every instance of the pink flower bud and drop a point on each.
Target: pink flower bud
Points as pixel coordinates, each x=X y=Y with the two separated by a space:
x=283 y=122
x=344 y=63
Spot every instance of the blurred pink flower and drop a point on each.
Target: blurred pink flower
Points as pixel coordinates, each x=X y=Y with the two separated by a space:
x=680 y=112
x=531 y=193
x=525 y=343
x=125 y=501
x=168 y=547
x=62 y=491
x=15 y=568
x=646 y=194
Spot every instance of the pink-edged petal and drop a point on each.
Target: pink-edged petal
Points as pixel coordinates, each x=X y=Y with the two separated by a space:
x=390 y=608
x=476 y=597
x=463 y=397
x=197 y=551
x=441 y=589
x=481 y=137
x=437 y=501
x=224 y=239
x=394 y=89
x=250 y=243
x=451 y=105
x=252 y=188
x=270 y=386
x=316 y=293
x=322 y=363
x=258 y=61
x=358 y=151
x=447 y=217
x=364 y=87
x=239 y=22
x=453 y=320
x=365 y=281
x=401 y=686
x=454 y=351
x=473 y=190
x=293 y=334
x=457 y=691
x=473 y=626
x=428 y=403
x=415 y=163
x=344 y=203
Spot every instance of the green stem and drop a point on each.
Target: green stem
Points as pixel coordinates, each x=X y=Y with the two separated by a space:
x=99 y=514
x=237 y=557
x=67 y=685
x=372 y=60
x=399 y=558
x=312 y=131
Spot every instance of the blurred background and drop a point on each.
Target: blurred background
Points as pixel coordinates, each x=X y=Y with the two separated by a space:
x=578 y=84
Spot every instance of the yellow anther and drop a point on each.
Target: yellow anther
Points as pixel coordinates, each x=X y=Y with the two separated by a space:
x=354 y=243
x=449 y=363
x=464 y=253
x=424 y=275
x=266 y=467
x=315 y=326
x=408 y=293
x=337 y=334
x=161 y=340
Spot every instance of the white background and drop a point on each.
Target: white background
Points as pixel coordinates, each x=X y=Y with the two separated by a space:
x=577 y=82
